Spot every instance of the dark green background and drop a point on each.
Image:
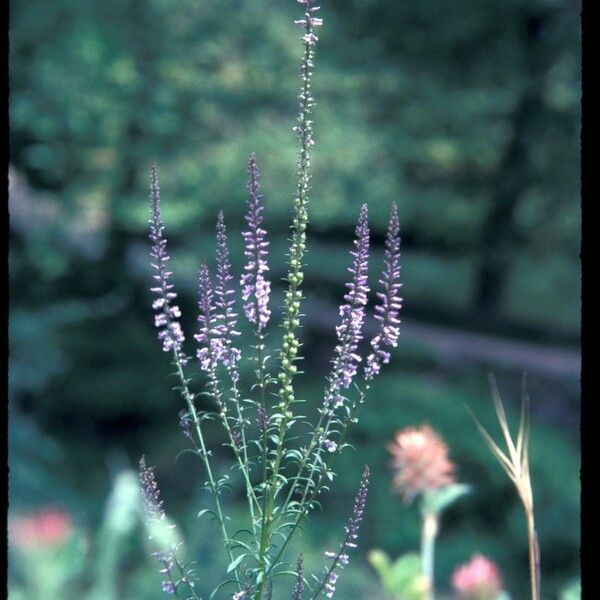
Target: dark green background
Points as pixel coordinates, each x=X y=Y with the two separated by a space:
x=466 y=114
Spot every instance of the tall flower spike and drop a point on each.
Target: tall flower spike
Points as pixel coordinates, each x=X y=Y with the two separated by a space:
x=359 y=510
x=156 y=519
x=390 y=303
x=224 y=300
x=349 y=331
x=295 y=276
x=211 y=343
x=167 y=313
x=299 y=585
x=340 y=558
x=153 y=505
x=303 y=129
x=255 y=288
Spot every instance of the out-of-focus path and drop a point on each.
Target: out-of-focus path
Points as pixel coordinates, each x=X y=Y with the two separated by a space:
x=475 y=347
x=534 y=358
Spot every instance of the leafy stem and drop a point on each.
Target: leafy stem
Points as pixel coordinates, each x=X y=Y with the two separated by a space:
x=189 y=398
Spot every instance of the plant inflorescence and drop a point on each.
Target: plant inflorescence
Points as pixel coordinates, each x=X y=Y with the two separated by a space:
x=283 y=478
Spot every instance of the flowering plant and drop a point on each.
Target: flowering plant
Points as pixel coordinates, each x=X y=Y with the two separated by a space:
x=479 y=579
x=422 y=470
x=283 y=479
x=47 y=552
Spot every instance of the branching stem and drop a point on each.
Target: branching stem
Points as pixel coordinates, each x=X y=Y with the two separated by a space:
x=189 y=399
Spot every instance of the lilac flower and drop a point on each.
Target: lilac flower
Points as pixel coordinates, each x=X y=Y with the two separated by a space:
x=310 y=38
x=340 y=558
x=184 y=424
x=170 y=332
x=262 y=419
x=168 y=587
x=154 y=512
x=153 y=505
x=303 y=128
x=359 y=510
x=237 y=439
x=211 y=343
x=255 y=288
x=330 y=446
x=224 y=300
x=245 y=593
x=330 y=585
x=389 y=300
x=349 y=331
x=299 y=585
x=309 y=21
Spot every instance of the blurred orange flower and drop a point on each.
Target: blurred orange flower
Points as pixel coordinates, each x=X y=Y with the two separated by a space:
x=48 y=527
x=420 y=461
x=478 y=579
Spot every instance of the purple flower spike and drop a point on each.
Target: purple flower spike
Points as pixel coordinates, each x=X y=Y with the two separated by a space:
x=153 y=505
x=154 y=511
x=211 y=344
x=330 y=585
x=340 y=558
x=299 y=584
x=167 y=313
x=309 y=21
x=390 y=303
x=262 y=419
x=359 y=510
x=224 y=300
x=255 y=288
x=349 y=331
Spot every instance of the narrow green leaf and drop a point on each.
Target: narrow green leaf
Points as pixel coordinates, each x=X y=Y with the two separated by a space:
x=436 y=501
x=236 y=562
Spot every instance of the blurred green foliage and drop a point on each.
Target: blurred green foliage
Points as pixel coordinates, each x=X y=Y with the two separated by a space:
x=488 y=520
x=402 y=578
x=465 y=114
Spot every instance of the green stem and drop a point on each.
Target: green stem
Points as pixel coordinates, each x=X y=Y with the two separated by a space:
x=304 y=503
x=216 y=393
x=297 y=247
x=242 y=459
x=244 y=466
x=264 y=529
x=309 y=448
x=313 y=440
x=185 y=580
x=293 y=295
x=428 y=534
x=335 y=563
x=188 y=397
